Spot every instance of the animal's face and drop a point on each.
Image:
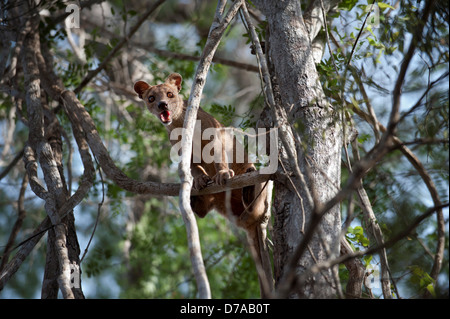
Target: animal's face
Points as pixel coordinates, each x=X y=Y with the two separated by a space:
x=163 y=99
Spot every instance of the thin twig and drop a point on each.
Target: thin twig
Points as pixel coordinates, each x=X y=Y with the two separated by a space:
x=17 y=225
x=359 y=33
x=12 y=164
x=98 y=213
x=394 y=116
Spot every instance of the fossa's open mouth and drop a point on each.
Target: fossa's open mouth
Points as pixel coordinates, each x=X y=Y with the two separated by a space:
x=165 y=118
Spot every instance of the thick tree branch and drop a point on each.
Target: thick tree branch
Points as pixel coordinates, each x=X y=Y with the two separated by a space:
x=44 y=152
x=86 y=182
x=301 y=98
x=375 y=231
x=356 y=271
x=217 y=29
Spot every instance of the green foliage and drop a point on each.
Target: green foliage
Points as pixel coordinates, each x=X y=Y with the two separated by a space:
x=394 y=185
x=187 y=68
x=347 y=4
x=260 y=29
x=160 y=257
x=355 y=236
x=225 y=113
x=422 y=280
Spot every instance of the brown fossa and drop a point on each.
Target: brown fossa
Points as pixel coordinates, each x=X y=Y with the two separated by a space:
x=246 y=207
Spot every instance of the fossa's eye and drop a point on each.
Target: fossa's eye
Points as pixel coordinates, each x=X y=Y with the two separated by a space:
x=151 y=99
x=170 y=95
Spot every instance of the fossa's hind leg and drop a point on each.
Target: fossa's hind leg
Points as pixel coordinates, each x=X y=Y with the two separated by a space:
x=248 y=192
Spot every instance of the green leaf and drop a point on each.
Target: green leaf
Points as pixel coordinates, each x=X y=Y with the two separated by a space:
x=358 y=230
x=347 y=4
x=364 y=241
x=367 y=259
x=354 y=102
x=383 y=6
x=431 y=290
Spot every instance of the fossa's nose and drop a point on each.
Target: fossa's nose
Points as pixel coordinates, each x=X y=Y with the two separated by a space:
x=162 y=106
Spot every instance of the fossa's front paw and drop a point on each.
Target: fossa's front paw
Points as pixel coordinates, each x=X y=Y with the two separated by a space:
x=222 y=176
x=201 y=182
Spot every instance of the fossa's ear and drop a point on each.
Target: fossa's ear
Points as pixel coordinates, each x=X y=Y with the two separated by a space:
x=175 y=79
x=140 y=87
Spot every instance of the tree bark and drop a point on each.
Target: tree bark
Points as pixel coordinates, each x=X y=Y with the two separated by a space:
x=311 y=154
x=45 y=146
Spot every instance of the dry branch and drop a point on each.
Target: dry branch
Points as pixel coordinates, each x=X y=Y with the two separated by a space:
x=217 y=29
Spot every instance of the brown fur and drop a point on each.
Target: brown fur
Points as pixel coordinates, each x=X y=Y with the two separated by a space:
x=247 y=206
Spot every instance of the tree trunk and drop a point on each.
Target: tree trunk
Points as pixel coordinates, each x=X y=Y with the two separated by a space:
x=312 y=158
x=45 y=146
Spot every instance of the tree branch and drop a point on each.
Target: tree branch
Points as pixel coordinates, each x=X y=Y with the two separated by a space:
x=391 y=242
x=313 y=17
x=17 y=225
x=417 y=164
x=149 y=47
x=217 y=29
x=356 y=271
x=11 y=165
x=25 y=249
x=278 y=113
x=78 y=114
x=87 y=179
x=44 y=152
x=416 y=38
